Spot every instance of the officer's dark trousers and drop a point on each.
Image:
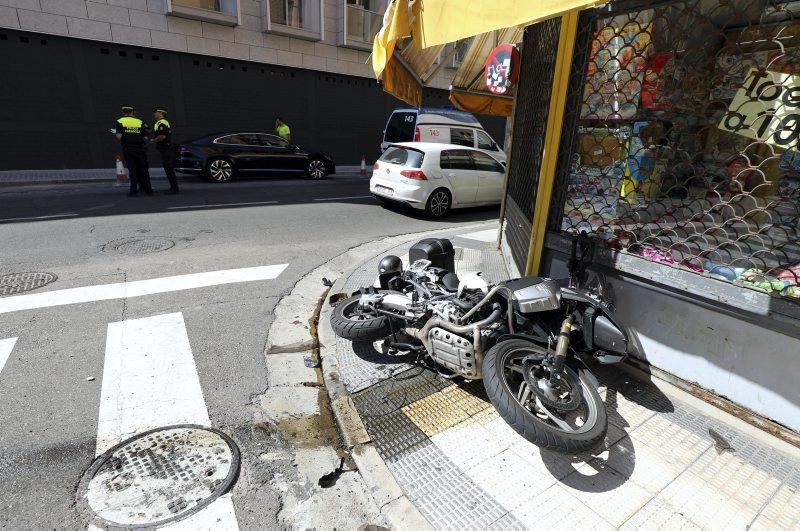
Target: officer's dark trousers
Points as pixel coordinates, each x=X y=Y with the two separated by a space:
x=136 y=161
x=168 y=161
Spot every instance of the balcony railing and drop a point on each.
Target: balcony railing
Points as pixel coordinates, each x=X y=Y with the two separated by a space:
x=362 y=24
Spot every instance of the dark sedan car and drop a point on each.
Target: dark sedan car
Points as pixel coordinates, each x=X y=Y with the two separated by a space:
x=221 y=156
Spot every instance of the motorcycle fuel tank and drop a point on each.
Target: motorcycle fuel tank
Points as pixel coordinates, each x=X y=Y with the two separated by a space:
x=535 y=294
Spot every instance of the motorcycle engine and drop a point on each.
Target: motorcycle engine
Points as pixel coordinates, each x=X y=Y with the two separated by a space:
x=454 y=352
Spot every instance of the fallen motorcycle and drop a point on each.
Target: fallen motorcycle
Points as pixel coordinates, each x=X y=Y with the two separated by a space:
x=529 y=339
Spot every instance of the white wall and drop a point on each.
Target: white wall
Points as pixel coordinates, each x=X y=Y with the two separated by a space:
x=750 y=365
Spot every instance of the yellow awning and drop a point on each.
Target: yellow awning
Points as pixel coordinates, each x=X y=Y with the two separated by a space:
x=437 y=22
x=481 y=103
x=400 y=83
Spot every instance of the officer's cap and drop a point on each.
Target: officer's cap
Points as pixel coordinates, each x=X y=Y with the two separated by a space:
x=127 y=108
x=162 y=110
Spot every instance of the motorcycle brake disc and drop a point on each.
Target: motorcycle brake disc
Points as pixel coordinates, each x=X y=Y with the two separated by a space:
x=562 y=404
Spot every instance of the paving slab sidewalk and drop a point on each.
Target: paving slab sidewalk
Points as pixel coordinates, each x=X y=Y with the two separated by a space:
x=436 y=453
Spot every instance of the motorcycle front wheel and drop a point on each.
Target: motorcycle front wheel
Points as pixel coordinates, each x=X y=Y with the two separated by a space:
x=507 y=384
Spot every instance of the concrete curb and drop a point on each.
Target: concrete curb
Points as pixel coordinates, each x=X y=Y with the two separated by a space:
x=291 y=331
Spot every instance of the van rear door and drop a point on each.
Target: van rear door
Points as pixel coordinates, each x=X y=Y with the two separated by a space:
x=400 y=128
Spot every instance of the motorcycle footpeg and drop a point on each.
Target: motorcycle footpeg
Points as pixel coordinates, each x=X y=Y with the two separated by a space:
x=609 y=358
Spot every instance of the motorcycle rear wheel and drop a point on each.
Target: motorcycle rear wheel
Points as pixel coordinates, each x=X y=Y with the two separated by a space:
x=350 y=322
x=571 y=433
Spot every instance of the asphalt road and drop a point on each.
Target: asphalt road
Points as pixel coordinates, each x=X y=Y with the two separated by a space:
x=92 y=234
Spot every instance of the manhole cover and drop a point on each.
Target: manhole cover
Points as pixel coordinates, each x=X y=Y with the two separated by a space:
x=139 y=245
x=159 y=476
x=19 y=282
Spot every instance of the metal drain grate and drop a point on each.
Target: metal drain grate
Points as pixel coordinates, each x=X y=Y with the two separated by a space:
x=139 y=245
x=159 y=476
x=20 y=282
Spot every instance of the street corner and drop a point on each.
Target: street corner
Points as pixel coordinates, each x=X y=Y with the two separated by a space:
x=437 y=447
x=462 y=465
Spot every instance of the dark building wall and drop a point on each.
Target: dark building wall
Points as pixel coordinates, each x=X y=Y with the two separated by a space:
x=61 y=96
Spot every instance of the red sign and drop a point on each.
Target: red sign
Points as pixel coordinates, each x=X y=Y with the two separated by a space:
x=502 y=68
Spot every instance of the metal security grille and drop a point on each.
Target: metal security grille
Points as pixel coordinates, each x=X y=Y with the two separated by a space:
x=682 y=142
x=530 y=119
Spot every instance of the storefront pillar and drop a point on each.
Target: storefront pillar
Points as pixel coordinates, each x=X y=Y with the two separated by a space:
x=555 y=122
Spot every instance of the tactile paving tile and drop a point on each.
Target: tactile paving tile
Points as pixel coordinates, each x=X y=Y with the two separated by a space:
x=380 y=408
x=782 y=511
x=658 y=514
x=361 y=364
x=510 y=480
x=447 y=498
x=445 y=409
x=556 y=508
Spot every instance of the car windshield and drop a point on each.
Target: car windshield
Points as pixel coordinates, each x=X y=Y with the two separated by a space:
x=403 y=156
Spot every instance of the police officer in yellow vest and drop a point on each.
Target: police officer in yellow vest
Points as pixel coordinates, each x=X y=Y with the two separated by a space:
x=132 y=134
x=163 y=140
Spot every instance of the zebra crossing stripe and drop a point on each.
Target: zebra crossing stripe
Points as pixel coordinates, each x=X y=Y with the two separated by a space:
x=150 y=380
x=6 y=346
x=138 y=288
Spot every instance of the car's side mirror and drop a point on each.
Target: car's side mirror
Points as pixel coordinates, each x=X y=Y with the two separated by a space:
x=495 y=147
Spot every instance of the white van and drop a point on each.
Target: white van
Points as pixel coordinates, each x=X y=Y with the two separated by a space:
x=441 y=126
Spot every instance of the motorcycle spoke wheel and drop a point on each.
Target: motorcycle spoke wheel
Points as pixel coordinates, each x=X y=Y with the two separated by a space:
x=579 y=420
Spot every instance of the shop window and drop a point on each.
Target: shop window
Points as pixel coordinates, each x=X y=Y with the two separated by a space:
x=362 y=21
x=685 y=147
x=295 y=18
x=216 y=11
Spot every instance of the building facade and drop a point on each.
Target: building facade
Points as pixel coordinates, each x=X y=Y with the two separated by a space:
x=215 y=64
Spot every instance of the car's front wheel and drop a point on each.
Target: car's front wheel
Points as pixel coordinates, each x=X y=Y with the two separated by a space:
x=316 y=169
x=439 y=203
x=220 y=170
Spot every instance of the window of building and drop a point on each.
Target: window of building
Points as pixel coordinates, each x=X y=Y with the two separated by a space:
x=362 y=21
x=455 y=52
x=295 y=18
x=216 y=11
x=462 y=137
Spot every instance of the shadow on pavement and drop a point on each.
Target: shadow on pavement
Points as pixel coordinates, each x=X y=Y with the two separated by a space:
x=367 y=351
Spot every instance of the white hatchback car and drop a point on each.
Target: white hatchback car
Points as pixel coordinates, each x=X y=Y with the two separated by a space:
x=437 y=177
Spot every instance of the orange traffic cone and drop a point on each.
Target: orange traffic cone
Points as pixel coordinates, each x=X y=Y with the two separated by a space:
x=122 y=174
x=363 y=164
